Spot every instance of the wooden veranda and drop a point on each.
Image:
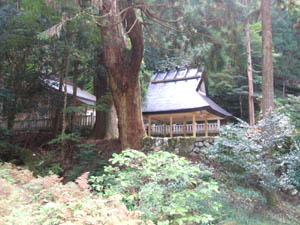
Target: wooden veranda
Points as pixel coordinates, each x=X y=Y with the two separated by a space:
x=183 y=124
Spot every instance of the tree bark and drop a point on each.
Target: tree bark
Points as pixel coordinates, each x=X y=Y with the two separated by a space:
x=267 y=58
x=106 y=119
x=123 y=66
x=11 y=105
x=57 y=116
x=74 y=97
x=64 y=119
x=100 y=88
x=112 y=131
x=249 y=71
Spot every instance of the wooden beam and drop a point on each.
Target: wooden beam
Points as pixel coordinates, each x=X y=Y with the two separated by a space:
x=194 y=125
x=200 y=115
x=165 y=128
x=149 y=126
x=206 y=128
x=171 y=126
x=176 y=79
x=184 y=127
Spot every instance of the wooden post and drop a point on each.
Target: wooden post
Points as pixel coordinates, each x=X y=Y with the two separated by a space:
x=149 y=126
x=219 y=126
x=206 y=128
x=171 y=126
x=165 y=128
x=194 y=125
x=184 y=127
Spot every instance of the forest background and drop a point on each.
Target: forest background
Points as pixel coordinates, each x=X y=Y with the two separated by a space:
x=81 y=41
x=42 y=39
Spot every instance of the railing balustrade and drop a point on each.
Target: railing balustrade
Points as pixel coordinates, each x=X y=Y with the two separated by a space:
x=46 y=124
x=89 y=121
x=179 y=129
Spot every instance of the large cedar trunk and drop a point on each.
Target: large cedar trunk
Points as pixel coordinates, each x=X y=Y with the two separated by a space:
x=106 y=120
x=130 y=120
x=123 y=66
x=267 y=58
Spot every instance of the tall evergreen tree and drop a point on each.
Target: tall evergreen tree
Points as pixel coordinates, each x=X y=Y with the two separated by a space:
x=249 y=69
x=267 y=58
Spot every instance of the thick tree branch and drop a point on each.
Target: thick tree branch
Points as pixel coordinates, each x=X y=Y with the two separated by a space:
x=135 y=33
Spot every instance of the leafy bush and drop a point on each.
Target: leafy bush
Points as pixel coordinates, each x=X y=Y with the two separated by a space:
x=254 y=155
x=25 y=200
x=88 y=159
x=166 y=188
x=291 y=106
x=44 y=166
x=292 y=162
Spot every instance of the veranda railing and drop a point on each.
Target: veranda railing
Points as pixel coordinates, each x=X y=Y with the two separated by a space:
x=46 y=124
x=179 y=129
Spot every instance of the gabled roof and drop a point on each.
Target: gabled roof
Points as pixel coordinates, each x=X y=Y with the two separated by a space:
x=177 y=91
x=82 y=95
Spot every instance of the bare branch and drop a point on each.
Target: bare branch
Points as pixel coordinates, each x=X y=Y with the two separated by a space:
x=129 y=30
x=56 y=29
x=160 y=23
x=135 y=33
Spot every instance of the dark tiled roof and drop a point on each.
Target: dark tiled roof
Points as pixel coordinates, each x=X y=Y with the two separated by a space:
x=175 y=91
x=82 y=95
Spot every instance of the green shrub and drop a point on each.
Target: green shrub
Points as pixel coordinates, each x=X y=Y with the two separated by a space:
x=292 y=162
x=291 y=106
x=254 y=155
x=87 y=159
x=167 y=189
x=46 y=165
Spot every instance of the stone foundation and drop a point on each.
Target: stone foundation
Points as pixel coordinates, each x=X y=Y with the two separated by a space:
x=185 y=146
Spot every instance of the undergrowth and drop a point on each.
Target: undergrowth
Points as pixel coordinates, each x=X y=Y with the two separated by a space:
x=25 y=200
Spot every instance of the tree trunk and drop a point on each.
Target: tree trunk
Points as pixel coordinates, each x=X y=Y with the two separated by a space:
x=123 y=66
x=57 y=117
x=64 y=120
x=106 y=125
x=249 y=71
x=112 y=131
x=241 y=106
x=11 y=104
x=283 y=88
x=74 y=97
x=267 y=58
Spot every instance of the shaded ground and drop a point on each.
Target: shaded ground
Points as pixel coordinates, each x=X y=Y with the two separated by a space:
x=80 y=156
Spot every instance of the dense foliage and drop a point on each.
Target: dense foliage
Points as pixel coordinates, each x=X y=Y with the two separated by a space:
x=61 y=39
x=264 y=156
x=28 y=200
x=167 y=189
